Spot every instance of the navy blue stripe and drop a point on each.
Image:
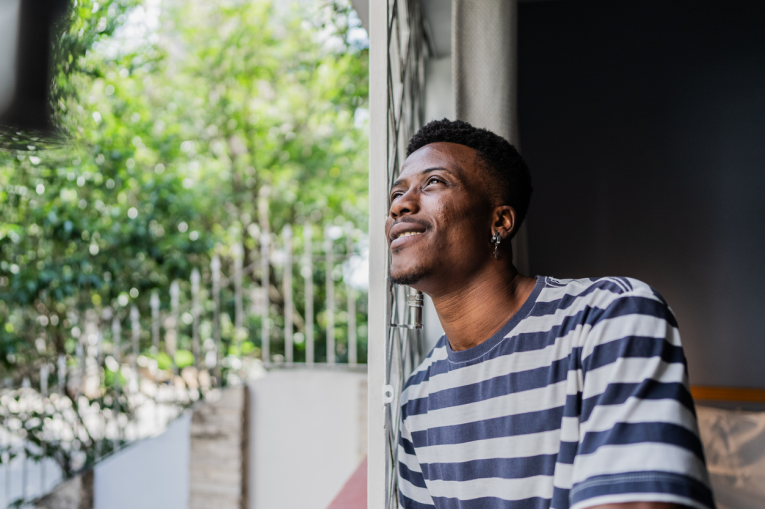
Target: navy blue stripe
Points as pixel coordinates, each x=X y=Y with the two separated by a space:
x=492 y=388
x=407 y=503
x=625 y=306
x=510 y=425
x=635 y=433
x=424 y=375
x=406 y=444
x=568 y=452
x=504 y=468
x=632 y=346
x=560 y=498
x=643 y=482
x=491 y=503
x=618 y=393
x=410 y=475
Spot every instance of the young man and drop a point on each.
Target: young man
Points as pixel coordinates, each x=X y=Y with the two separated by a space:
x=543 y=392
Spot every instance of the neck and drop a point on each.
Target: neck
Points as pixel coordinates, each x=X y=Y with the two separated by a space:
x=478 y=309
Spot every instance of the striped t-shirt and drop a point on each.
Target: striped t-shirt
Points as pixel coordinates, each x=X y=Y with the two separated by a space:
x=580 y=399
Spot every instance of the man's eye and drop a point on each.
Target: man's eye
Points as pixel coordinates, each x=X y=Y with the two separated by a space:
x=432 y=180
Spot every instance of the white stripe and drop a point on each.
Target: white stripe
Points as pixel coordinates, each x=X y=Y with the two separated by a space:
x=519 y=446
x=493 y=368
x=409 y=460
x=416 y=493
x=507 y=489
x=534 y=400
x=641 y=457
x=532 y=324
x=521 y=361
x=569 y=429
x=438 y=354
x=620 y=327
x=631 y=370
x=636 y=410
x=573 y=287
x=562 y=477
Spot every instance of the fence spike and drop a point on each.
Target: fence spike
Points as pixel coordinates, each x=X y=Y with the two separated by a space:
x=62 y=374
x=215 y=268
x=135 y=326
x=154 y=303
x=237 y=252
x=307 y=272
x=265 y=329
x=171 y=335
x=288 y=304
x=329 y=312
x=352 y=355
x=116 y=332
x=195 y=280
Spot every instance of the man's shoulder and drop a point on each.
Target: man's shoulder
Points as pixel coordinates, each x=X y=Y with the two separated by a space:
x=597 y=287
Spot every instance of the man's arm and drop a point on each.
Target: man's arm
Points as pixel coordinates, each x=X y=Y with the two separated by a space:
x=638 y=437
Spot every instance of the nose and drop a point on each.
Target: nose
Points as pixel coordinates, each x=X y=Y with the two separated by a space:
x=408 y=203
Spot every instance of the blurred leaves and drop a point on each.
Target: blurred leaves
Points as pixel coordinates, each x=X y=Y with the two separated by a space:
x=178 y=122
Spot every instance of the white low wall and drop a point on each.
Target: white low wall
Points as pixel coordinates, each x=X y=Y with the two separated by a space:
x=307 y=436
x=151 y=474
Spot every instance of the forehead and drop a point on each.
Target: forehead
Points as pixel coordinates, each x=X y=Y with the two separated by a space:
x=459 y=159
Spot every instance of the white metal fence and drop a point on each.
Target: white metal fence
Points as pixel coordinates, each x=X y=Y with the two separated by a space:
x=269 y=301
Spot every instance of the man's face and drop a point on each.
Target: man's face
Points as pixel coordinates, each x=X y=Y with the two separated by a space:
x=439 y=223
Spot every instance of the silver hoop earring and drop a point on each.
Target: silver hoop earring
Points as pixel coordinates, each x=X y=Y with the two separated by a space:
x=496 y=239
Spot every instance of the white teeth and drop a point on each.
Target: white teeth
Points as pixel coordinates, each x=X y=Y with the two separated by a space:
x=408 y=234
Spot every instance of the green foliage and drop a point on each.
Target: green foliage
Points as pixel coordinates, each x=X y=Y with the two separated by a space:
x=172 y=143
x=178 y=130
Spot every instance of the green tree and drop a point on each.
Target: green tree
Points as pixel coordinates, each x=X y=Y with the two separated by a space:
x=174 y=129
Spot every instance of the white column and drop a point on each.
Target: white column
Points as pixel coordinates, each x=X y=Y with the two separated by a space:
x=378 y=208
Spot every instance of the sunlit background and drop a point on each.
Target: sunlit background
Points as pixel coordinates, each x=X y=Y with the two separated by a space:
x=201 y=213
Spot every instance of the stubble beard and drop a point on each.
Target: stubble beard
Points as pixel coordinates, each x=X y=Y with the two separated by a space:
x=410 y=277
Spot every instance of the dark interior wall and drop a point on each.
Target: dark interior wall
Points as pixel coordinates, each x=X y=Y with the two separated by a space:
x=643 y=124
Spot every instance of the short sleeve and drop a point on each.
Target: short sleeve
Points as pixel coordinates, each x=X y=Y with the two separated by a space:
x=638 y=435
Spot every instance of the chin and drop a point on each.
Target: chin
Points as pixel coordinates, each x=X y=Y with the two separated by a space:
x=410 y=276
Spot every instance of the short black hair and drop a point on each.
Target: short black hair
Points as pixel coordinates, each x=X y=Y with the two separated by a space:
x=505 y=165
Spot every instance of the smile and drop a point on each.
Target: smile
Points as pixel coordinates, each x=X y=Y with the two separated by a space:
x=408 y=234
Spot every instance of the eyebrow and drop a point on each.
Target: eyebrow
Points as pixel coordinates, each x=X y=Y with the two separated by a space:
x=425 y=172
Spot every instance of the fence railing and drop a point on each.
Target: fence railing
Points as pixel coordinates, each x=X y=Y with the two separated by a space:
x=268 y=301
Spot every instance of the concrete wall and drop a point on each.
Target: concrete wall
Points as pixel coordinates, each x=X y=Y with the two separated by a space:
x=218 y=462
x=307 y=436
x=151 y=474
x=439 y=95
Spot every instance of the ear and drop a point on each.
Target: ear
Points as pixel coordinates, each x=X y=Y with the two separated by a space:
x=505 y=220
